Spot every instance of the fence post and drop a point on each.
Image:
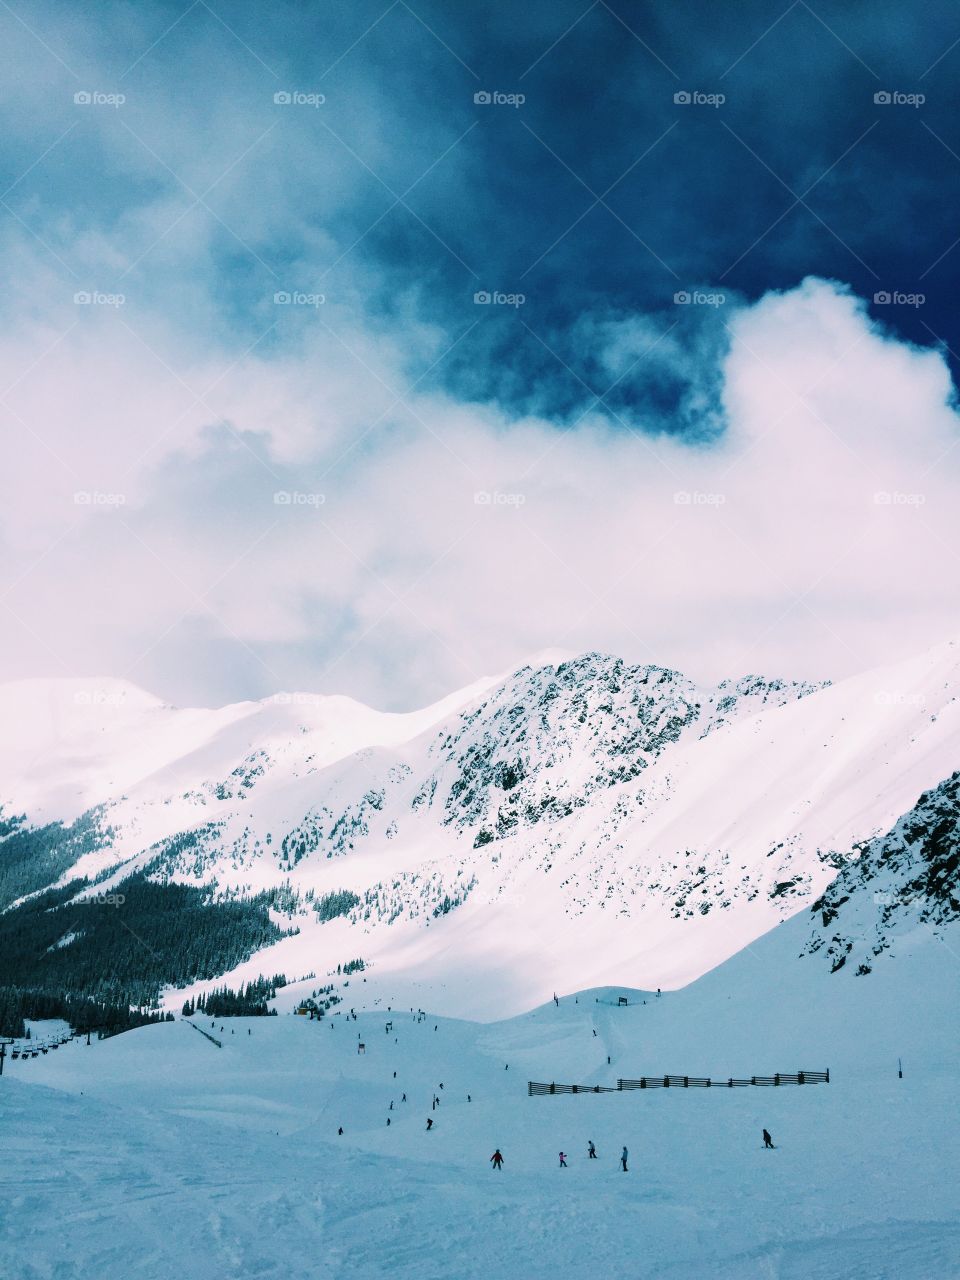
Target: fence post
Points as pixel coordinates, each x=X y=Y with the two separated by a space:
x=776 y=1078
x=666 y=1082
x=686 y=1082
x=553 y=1088
x=643 y=1082
x=828 y=1075
x=800 y=1079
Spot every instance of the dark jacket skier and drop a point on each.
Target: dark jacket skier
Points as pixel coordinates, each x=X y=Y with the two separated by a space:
x=767 y=1140
x=563 y=1160
x=623 y=1160
x=429 y=1124
x=496 y=1159
x=591 y=1151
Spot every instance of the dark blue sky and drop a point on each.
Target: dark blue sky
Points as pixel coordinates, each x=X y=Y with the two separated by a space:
x=599 y=196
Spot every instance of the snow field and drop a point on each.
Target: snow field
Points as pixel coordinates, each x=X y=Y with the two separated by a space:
x=156 y=1154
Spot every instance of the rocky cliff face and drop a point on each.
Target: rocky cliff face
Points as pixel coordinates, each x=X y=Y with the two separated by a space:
x=902 y=881
x=551 y=737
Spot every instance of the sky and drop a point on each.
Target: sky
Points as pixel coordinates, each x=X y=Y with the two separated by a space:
x=374 y=347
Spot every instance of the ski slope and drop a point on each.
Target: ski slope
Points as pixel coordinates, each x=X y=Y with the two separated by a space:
x=158 y=1154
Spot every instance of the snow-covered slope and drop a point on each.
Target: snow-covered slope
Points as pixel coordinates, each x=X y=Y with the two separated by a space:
x=159 y=1154
x=575 y=823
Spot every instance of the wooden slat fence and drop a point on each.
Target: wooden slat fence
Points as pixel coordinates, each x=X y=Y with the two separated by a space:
x=212 y=1039
x=538 y=1089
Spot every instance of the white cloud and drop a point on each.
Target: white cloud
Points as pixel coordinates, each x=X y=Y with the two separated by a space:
x=815 y=537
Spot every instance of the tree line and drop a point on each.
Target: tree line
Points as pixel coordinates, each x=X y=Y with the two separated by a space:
x=117 y=950
x=247 y=1001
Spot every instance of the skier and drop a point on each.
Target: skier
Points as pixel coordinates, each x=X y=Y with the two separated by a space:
x=388 y=1121
x=594 y=1030
x=340 y=1131
x=496 y=1159
x=591 y=1151
x=429 y=1124
x=469 y=1099
x=563 y=1160
x=623 y=1160
x=768 y=1141
x=404 y=1098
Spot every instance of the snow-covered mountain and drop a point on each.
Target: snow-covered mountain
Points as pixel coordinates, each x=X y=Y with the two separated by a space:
x=574 y=823
x=904 y=881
